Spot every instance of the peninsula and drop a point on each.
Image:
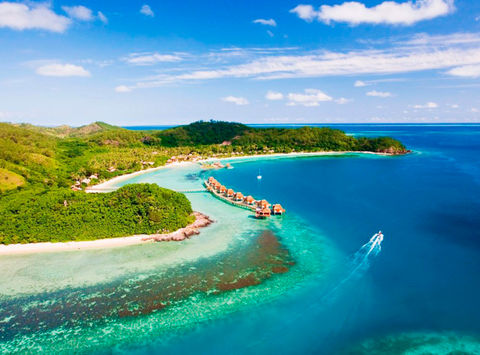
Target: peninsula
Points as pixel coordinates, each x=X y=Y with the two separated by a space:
x=44 y=172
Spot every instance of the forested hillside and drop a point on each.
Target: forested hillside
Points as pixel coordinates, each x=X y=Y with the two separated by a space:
x=57 y=215
x=63 y=155
x=44 y=171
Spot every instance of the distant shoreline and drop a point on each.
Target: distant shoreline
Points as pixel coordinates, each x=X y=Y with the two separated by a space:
x=30 y=248
x=108 y=183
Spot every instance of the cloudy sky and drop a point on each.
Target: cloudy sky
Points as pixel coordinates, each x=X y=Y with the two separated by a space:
x=282 y=61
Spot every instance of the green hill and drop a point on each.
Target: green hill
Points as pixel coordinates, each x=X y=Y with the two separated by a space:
x=39 y=166
x=58 y=215
x=65 y=131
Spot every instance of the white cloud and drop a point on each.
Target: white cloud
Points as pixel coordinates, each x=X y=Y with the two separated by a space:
x=62 y=70
x=236 y=100
x=310 y=97
x=24 y=17
x=342 y=101
x=270 y=22
x=467 y=71
x=359 y=84
x=428 y=105
x=396 y=60
x=102 y=17
x=475 y=110
x=79 y=12
x=458 y=50
x=270 y=33
x=147 y=11
x=305 y=12
x=454 y=106
x=122 y=88
x=382 y=94
x=387 y=12
x=273 y=95
x=150 y=58
x=422 y=39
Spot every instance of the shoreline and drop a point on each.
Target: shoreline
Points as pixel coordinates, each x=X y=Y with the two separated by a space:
x=107 y=184
x=181 y=234
x=201 y=221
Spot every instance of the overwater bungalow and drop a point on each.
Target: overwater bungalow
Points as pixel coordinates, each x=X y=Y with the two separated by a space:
x=249 y=200
x=261 y=207
x=278 y=209
x=262 y=213
x=263 y=204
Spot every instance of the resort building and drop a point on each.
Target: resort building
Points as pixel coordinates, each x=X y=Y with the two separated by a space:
x=261 y=207
x=263 y=204
x=278 y=209
x=263 y=212
x=249 y=200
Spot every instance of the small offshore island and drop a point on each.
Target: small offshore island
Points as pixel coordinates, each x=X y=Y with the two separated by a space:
x=44 y=173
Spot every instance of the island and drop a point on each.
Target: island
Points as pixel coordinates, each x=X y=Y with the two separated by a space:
x=44 y=172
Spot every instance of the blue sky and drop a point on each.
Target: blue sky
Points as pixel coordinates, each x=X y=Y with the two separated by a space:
x=169 y=62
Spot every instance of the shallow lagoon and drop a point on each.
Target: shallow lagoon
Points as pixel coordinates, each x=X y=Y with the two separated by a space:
x=420 y=289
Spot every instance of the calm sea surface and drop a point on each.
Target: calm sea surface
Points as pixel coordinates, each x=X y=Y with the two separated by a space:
x=301 y=283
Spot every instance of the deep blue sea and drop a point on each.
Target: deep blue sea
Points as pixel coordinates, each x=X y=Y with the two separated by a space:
x=418 y=294
x=422 y=288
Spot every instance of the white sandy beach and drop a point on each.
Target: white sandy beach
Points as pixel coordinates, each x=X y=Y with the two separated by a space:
x=14 y=249
x=107 y=185
x=183 y=233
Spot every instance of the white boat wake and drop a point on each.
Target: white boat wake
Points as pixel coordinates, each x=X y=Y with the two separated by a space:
x=360 y=262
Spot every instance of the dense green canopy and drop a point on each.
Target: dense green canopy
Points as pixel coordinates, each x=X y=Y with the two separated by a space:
x=56 y=215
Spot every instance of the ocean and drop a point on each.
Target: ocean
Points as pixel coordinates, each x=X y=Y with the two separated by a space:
x=311 y=281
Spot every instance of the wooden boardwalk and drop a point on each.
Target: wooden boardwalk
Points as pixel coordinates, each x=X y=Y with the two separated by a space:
x=229 y=200
x=191 y=191
x=111 y=189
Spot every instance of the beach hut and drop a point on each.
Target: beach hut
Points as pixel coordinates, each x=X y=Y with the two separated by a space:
x=230 y=192
x=278 y=209
x=249 y=200
x=238 y=196
x=223 y=189
x=263 y=204
x=211 y=180
x=217 y=185
x=263 y=212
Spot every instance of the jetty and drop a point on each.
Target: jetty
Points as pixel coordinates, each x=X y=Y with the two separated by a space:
x=262 y=208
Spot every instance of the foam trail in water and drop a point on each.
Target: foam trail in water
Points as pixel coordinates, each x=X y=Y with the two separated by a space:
x=360 y=261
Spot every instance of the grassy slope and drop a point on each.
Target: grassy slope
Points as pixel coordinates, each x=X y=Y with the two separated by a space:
x=61 y=155
x=10 y=180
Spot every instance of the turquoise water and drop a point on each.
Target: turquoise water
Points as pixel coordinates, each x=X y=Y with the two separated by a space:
x=291 y=284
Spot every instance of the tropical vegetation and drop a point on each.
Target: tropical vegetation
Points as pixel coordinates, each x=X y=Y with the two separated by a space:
x=40 y=166
x=57 y=215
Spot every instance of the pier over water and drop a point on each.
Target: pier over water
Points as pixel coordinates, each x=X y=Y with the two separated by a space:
x=260 y=207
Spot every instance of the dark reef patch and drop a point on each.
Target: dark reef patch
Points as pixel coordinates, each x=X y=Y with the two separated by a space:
x=260 y=259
